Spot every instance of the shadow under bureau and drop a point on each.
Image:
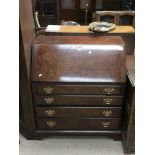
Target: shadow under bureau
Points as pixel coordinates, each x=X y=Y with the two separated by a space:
x=78 y=85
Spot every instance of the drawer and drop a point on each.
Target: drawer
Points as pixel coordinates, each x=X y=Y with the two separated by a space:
x=94 y=100
x=70 y=112
x=80 y=89
x=78 y=124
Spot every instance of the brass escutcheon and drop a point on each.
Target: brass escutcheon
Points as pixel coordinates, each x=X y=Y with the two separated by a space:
x=109 y=90
x=49 y=100
x=105 y=124
x=50 y=112
x=50 y=123
x=48 y=90
x=107 y=113
x=108 y=101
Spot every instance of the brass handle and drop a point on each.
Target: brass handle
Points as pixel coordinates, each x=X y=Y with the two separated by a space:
x=108 y=101
x=50 y=123
x=107 y=113
x=48 y=90
x=50 y=112
x=109 y=90
x=49 y=100
x=105 y=124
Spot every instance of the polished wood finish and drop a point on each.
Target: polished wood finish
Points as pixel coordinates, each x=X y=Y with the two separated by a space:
x=78 y=60
x=80 y=89
x=29 y=128
x=59 y=29
x=126 y=32
x=66 y=82
x=79 y=124
x=88 y=100
x=129 y=112
x=70 y=112
x=26 y=35
x=112 y=134
x=27 y=30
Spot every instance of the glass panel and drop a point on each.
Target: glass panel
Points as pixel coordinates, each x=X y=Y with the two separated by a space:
x=99 y=4
x=85 y=4
x=49 y=9
x=68 y=4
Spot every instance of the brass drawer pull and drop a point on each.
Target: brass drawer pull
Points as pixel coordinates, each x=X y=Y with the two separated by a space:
x=48 y=90
x=105 y=124
x=109 y=90
x=49 y=100
x=107 y=113
x=50 y=123
x=108 y=101
x=50 y=112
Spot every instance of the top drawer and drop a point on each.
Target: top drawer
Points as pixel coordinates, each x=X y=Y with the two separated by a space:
x=80 y=89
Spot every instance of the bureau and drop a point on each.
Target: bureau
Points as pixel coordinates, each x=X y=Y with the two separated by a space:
x=78 y=85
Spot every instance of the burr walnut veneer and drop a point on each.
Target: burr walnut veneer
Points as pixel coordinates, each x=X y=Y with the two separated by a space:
x=126 y=32
x=78 y=85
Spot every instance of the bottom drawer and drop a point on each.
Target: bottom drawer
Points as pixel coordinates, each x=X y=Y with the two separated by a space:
x=79 y=124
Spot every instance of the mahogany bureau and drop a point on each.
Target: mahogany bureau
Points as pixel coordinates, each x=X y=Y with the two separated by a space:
x=78 y=85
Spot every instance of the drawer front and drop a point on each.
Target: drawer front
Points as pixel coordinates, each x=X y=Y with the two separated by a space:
x=79 y=100
x=78 y=124
x=80 y=89
x=70 y=112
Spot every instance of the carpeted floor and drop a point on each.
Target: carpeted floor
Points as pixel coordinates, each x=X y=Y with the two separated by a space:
x=70 y=146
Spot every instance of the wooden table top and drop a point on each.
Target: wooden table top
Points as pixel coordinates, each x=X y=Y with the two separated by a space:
x=84 y=29
x=130 y=64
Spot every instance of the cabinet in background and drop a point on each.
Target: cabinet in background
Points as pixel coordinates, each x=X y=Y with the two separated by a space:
x=81 y=10
x=51 y=12
x=47 y=12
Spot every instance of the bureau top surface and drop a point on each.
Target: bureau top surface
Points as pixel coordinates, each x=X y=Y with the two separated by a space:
x=51 y=29
x=78 y=59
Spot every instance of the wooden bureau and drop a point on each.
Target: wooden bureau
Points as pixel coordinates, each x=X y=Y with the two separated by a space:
x=78 y=84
